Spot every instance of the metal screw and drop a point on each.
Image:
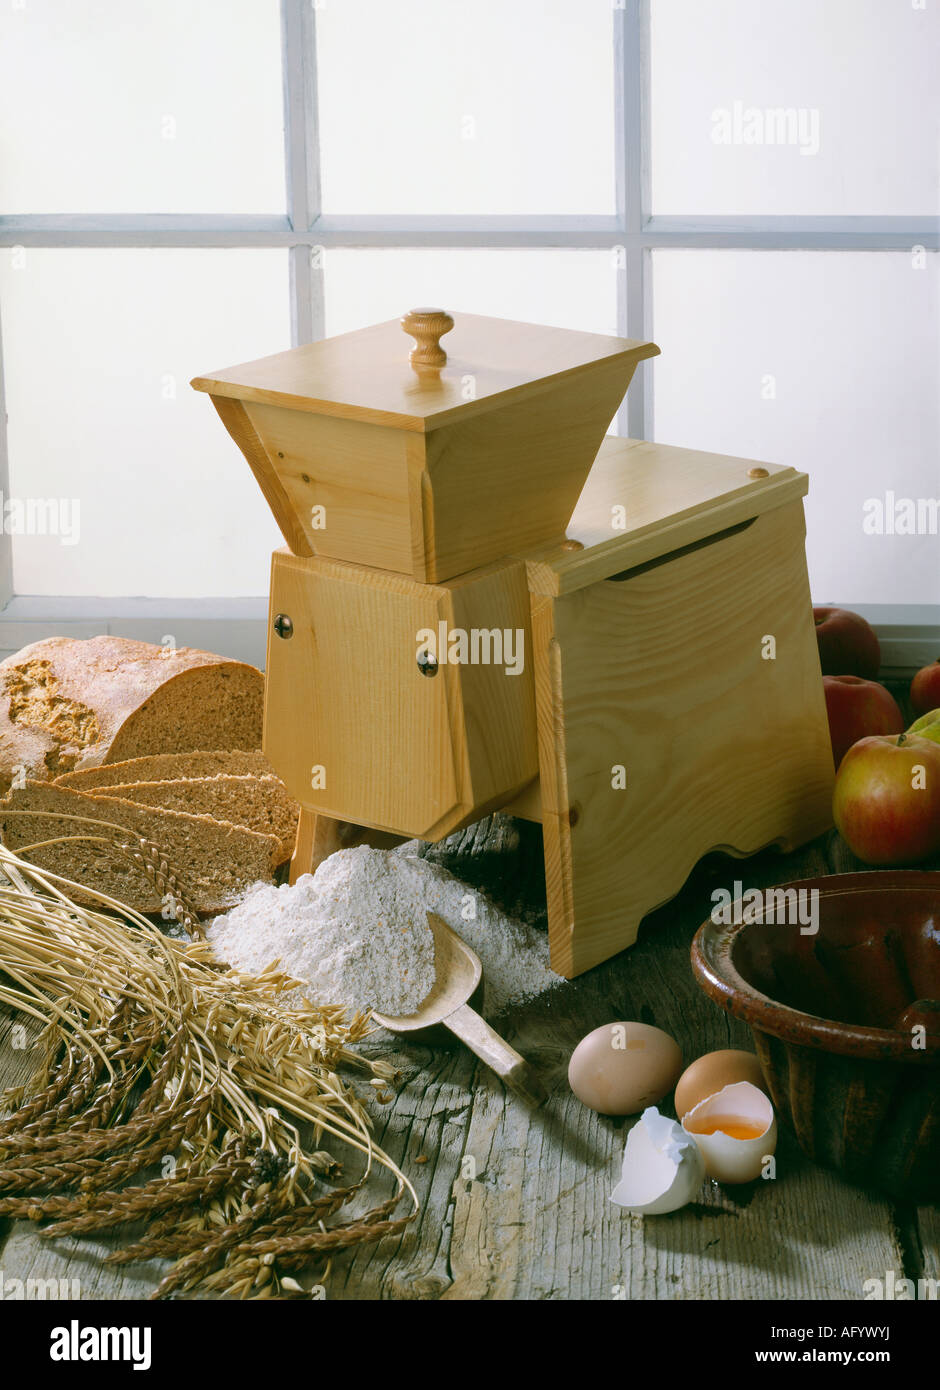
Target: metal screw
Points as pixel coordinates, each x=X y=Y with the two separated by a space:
x=427 y=663
x=283 y=626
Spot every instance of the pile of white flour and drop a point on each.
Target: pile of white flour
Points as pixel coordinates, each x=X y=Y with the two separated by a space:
x=356 y=933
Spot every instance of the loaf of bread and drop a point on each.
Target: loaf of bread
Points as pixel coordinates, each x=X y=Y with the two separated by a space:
x=260 y=803
x=70 y=704
x=215 y=860
x=168 y=767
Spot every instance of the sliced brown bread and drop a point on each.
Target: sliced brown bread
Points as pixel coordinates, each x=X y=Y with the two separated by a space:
x=168 y=767
x=67 y=703
x=261 y=803
x=214 y=860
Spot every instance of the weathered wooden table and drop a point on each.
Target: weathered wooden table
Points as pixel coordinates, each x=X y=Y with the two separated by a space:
x=515 y=1203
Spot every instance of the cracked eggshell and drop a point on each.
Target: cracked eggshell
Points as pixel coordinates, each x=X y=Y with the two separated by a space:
x=707 y=1075
x=620 y=1068
x=735 y=1130
x=663 y=1167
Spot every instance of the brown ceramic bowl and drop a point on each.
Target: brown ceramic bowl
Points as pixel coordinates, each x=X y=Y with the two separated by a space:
x=833 y=1016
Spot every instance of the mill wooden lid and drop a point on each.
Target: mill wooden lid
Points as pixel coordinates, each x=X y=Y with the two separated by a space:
x=645 y=501
x=380 y=376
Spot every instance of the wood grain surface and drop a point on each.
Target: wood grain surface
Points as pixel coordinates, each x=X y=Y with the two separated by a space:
x=367 y=375
x=515 y=1200
x=395 y=749
x=664 y=732
x=642 y=500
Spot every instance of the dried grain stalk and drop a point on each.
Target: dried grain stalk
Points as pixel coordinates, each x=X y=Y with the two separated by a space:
x=154 y=1052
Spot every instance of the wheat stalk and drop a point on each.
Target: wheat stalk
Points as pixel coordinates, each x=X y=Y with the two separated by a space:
x=155 y=1052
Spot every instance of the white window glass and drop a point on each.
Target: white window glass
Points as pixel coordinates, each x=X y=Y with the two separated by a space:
x=99 y=349
x=108 y=106
x=794 y=107
x=828 y=362
x=439 y=106
x=566 y=289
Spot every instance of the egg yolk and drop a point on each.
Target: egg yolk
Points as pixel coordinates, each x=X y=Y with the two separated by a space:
x=735 y=1129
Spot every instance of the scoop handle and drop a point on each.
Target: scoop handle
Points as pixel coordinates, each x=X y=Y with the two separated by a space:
x=512 y=1069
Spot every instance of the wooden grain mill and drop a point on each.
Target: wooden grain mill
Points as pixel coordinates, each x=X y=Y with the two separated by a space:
x=448 y=513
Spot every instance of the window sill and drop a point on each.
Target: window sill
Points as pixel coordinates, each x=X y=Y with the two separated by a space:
x=237 y=627
x=234 y=627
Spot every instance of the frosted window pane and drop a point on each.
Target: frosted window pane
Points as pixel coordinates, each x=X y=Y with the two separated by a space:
x=99 y=349
x=864 y=70
x=566 y=289
x=439 y=106
x=825 y=361
x=109 y=107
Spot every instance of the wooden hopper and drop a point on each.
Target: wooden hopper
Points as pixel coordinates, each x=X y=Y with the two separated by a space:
x=429 y=469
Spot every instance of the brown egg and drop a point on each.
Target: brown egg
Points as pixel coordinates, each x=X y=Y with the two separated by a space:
x=621 y=1068
x=710 y=1074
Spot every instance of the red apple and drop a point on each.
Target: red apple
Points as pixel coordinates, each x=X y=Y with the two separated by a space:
x=856 y=709
x=925 y=689
x=886 y=803
x=847 y=644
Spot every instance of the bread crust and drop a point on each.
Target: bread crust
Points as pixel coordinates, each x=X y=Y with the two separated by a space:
x=164 y=767
x=259 y=803
x=68 y=704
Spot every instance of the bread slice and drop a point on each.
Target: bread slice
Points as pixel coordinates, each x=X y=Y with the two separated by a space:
x=261 y=803
x=67 y=703
x=215 y=860
x=168 y=767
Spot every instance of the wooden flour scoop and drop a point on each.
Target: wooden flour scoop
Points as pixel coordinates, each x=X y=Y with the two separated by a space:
x=458 y=972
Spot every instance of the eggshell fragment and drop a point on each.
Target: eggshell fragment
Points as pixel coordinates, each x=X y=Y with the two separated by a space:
x=715 y=1124
x=622 y=1067
x=663 y=1167
x=707 y=1075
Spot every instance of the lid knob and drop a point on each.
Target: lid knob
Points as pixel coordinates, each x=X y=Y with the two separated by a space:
x=427 y=327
